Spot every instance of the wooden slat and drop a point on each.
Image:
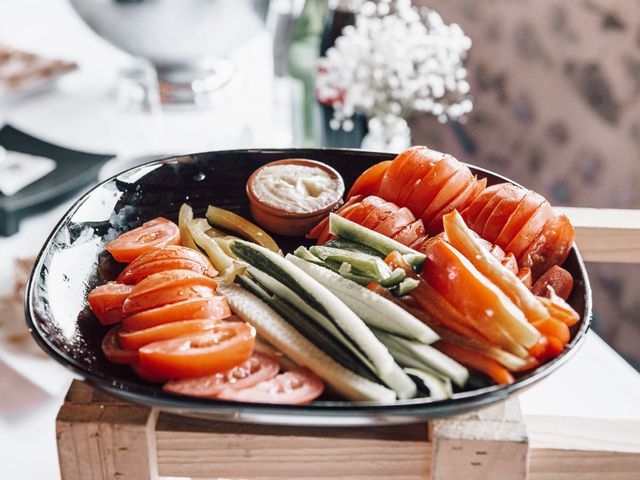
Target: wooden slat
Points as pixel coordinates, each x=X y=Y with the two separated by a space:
x=606 y=235
x=490 y=443
x=105 y=439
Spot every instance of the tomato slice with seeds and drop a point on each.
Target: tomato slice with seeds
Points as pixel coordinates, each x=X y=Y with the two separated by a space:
x=470 y=214
x=169 y=257
x=452 y=188
x=378 y=215
x=424 y=163
x=257 y=368
x=213 y=307
x=523 y=212
x=113 y=350
x=551 y=247
x=106 y=301
x=199 y=354
x=293 y=387
x=481 y=220
x=426 y=188
x=154 y=233
x=139 y=338
x=409 y=234
x=395 y=222
x=368 y=183
x=458 y=203
x=500 y=216
x=530 y=231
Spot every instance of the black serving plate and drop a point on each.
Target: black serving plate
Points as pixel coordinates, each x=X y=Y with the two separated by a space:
x=72 y=262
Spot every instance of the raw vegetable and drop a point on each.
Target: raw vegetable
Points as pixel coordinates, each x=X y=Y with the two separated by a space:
x=294 y=387
x=196 y=355
x=551 y=247
x=237 y=224
x=133 y=340
x=558 y=279
x=257 y=368
x=375 y=310
x=424 y=355
x=220 y=260
x=368 y=182
x=106 y=301
x=212 y=307
x=113 y=350
x=405 y=287
x=185 y=217
x=287 y=339
x=368 y=264
x=353 y=247
x=464 y=240
x=349 y=230
x=476 y=361
x=154 y=233
x=439 y=388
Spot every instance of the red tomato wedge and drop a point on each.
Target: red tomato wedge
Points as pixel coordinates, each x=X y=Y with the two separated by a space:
x=523 y=212
x=551 y=247
x=257 y=368
x=138 y=338
x=168 y=287
x=293 y=387
x=113 y=350
x=452 y=188
x=166 y=296
x=409 y=234
x=212 y=307
x=196 y=355
x=459 y=202
x=427 y=159
x=368 y=183
x=530 y=231
x=154 y=233
x=470 y=214
x=395 y=222
x=557 y=278
x=169 y=257
x=511 y=198
x=505 y=190
x=476 y=361
x=426 y=188
x=106 y=301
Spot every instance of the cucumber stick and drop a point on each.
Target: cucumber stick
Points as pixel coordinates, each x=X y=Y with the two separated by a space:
x=275 y=330
x=418 y=355
x=353 y=246
x=438 y=386
x=320 y=298
x=394 y=378
x=375 y=310
x=312 y=317
x=346 y=229
x=368 y=264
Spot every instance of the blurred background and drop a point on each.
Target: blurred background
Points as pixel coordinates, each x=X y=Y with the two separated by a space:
x=545 y=92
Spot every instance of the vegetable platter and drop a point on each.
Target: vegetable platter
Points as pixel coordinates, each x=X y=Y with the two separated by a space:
x=341 y=287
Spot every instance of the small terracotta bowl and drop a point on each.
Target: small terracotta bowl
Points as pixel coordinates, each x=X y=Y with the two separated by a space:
x=280 y=221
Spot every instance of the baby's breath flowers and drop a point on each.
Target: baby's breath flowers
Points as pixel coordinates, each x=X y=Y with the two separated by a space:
x=395 y=60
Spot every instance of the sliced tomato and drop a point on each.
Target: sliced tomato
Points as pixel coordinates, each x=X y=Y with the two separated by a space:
x=425 y=161
x=135 y=339
x=480 y=222
x=169 y=257
x=154 y=233
x=214 y=307
x=458 y=203
x=452 y=188
x=426 y=188
x=379 y=214
x=323 y=226
x=358 y=215
x=395 y=222
x=502 y=212
x=556 y=277
x=510 y=262
x=257 y=368
x=368 y=183
x=419 y=243
x=409 y=234
x=527 y=234
x=551 y=247
x=293 y=387
x=325 y=235
x=106 y=301
x=199 y=354
x=470 y=214
x=113 y=350
x=523 y=212
x=524 y=274
x=167 y=287
x=144 y=375
x=390 y=181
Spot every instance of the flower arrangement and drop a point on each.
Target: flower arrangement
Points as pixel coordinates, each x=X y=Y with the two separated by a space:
x=395 y=60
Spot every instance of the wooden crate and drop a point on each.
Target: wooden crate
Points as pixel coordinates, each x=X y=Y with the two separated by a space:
x=101 y=437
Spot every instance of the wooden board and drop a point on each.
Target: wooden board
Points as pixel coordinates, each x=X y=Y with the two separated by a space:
x=101 y=437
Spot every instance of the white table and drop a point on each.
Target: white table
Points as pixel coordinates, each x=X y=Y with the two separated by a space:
x=596 y=383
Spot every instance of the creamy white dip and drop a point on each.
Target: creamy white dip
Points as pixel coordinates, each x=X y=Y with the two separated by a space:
x=297 y=188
